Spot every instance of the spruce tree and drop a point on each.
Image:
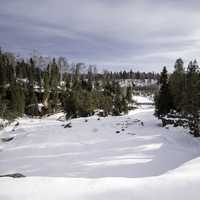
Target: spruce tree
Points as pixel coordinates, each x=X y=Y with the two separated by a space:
x=117 y=105
x=31 y=73
x=191 y=105
x=177 y=85
x=2 y=73
x=163 y=101
x=106 y=104
x=31 y=102
x=129 y=94
x=46 y=89
x=54 y=84
x=17 y=100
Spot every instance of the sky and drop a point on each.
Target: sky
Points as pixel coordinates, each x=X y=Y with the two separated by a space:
x=113 y=34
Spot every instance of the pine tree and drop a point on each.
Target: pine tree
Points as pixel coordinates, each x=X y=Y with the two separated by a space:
x=31 y=73
x=3 y=108
x=76 y=69
x=3 y=66
x=46 y=89
x=38 y=77
x=71 y=105
x=54 y=84
x=117 y=105
x=90 y=78
x=31 y=102
x=124 y=104
x=54 y=75
x=17 y=100
x=129 y=94
x=163 y=101
x=106 y=104
x=177 y=85
x=191 y=103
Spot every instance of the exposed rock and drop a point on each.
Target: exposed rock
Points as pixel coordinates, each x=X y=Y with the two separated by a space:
x=8 y=139
x=17 y=124
x=15 y=175
x=117 y=132
x=69 y=125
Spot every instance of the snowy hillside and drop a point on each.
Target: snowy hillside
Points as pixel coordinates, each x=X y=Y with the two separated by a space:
x=127 y=157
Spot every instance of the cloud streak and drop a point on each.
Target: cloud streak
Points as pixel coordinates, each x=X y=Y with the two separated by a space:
x=145 y=34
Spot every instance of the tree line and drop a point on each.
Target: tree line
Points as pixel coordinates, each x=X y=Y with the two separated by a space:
x=179 y=96
x=26 y=88
x=124 y=75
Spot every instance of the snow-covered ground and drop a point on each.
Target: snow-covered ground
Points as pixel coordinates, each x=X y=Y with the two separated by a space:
x=126 y=157
x=143 y=100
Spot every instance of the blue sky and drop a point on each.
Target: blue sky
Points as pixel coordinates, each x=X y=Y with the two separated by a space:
x=115 y=34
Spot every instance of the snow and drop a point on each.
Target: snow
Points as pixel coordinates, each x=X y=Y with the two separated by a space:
x=183 y=183
x=90 y=161
x=3 y=122
x=40 y=106
x=23 y=80
x=143 y=100
x=138 y=82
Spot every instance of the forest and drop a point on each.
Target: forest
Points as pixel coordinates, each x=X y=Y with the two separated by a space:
x=37 y=88
x=178 y=100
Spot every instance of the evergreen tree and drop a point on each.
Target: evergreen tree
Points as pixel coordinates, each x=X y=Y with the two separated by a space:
x=191 y=98
x=54 y=84
x=79 y=103
x=177 y=85
x=31 y=73
x=3 y=66
x=106 y=104
x=31 y=107
x=46 y=89
x=90 y=78
x=17 y=100
x=163 y=101
x=129 y=94
x=117 y=105
x=54 y=75
x=3 y=108
x=124 y=104
x=38 y=77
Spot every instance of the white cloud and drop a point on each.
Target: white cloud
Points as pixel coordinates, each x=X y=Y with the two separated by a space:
x=146 y=33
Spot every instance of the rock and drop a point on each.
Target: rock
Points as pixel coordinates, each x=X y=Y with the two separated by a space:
x=8 y=139
x=69 y=125
x=15 y=175
x=17 y=124
x=117 y=132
